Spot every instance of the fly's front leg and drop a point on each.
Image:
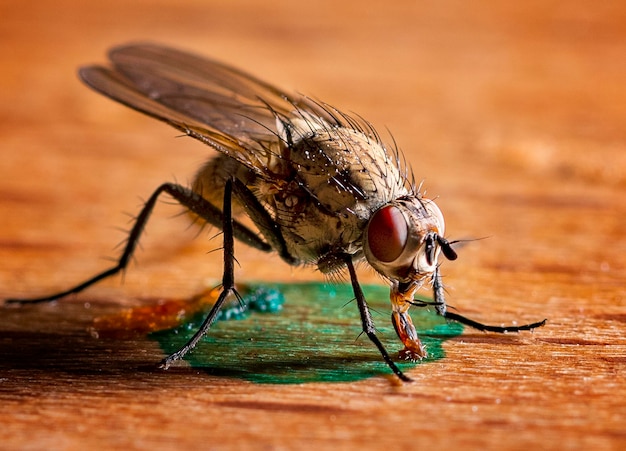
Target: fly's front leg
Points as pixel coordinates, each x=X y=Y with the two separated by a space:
x=401 y=301
x=186 y=197
x=366 y=320
x=440 y=305
x=228 y=280
x=439 y=294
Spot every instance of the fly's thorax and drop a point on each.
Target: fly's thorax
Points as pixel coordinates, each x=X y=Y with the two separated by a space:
x=338 y=176
x=401 y=239
x=341 y=167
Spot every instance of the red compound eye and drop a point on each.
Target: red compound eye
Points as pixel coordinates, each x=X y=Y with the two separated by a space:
x=387 y=234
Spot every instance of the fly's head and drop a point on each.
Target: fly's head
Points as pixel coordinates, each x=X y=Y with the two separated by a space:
x=403 y=240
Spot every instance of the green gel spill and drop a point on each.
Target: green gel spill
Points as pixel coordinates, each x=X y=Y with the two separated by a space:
x=315 y=338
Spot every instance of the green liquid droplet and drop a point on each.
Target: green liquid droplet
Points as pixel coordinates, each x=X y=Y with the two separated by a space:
x=315 y=336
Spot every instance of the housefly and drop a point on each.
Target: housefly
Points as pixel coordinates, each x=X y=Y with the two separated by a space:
x=320 y=186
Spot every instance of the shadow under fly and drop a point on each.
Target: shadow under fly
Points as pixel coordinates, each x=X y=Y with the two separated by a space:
x=321 y=186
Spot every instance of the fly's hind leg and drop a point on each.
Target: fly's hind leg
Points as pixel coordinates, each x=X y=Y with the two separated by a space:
x=186 y=197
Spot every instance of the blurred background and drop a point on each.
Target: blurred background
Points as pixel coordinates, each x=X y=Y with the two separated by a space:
x=513 y=114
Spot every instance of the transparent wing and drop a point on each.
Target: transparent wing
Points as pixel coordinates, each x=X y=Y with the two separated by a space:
x=222 y=106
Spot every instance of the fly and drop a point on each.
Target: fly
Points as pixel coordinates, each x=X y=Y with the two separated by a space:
x=320 y=186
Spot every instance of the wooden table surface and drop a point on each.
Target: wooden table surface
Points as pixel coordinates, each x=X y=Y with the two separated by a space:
x=513 y=113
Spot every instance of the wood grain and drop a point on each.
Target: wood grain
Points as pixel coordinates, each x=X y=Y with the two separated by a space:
x=514 y=114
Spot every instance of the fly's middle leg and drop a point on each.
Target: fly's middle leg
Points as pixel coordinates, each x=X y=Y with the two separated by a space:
x=228 y=279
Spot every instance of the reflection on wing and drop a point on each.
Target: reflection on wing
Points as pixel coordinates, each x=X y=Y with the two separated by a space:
x=226 y=108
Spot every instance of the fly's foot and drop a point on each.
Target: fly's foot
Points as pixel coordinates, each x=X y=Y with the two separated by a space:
x=165 y=363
